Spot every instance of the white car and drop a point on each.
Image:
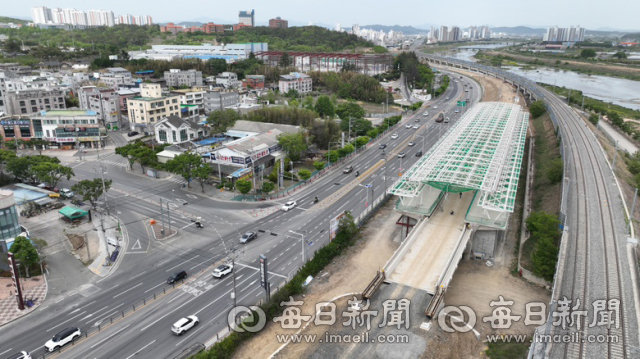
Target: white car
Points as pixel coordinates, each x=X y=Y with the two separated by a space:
x=411 y=144
x=394 y=136
x=222 y=270
x=288 y=206
x=21 y=355
x=426 y=113
x=184 y=324
x=66 y=193
x=64 y=337
x=407 y=126
x=435 y=106
x=401 y=155
x=416 y=127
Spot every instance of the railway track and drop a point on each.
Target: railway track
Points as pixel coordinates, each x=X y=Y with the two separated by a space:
x=596 y=275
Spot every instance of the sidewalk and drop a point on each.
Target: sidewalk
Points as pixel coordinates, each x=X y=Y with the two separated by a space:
x=33 y=288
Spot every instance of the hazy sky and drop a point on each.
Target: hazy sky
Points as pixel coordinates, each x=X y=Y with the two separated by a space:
x=592 y=14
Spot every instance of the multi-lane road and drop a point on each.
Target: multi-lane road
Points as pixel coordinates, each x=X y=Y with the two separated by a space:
x=147 y=263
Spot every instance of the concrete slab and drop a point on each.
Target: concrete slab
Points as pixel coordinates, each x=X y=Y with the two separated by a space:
x=423 y=264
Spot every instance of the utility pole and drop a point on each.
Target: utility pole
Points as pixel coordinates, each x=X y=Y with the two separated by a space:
x=104 y=233
x=162 y=216
x=104 y=189
x=633 y=207
x=169 y=216
x=219 y=171
x=615 y=154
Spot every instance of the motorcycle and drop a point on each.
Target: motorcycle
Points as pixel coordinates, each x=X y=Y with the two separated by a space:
x=357 y=173
x=199 y=225
x=315 y=200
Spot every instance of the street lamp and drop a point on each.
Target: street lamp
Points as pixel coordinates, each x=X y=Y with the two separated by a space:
x=423 y=142
x=367 y=195
x=304 y=259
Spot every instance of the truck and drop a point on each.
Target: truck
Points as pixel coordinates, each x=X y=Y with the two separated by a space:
x=440 y=117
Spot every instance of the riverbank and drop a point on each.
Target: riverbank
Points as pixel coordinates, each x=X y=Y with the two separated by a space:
x=590 y=67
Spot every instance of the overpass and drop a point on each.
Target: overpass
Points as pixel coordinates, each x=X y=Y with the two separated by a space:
x=596 y=256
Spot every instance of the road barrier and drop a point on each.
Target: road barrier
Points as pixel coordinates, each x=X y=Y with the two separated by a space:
x=374 y=285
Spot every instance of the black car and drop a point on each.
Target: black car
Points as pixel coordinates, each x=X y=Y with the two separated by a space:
x=419 y=154
x=176 y=277
x=383 y=146
x=132 y=133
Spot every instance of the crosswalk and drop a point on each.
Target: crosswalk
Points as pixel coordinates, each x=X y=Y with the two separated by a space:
x=114 y=163
x=177 y=180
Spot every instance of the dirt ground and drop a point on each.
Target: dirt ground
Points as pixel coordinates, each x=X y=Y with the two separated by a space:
x=349 y=273
x=494 y=90
x=76 y=236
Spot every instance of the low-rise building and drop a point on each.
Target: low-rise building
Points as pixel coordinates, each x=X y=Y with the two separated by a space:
x=20 y=127
x=174 y=130
x=115 y=77
x=177 y=78
x=151 y=107
x=227 y=79
x=193 y=96
x=253 y=82
x=295 y=81
x=69 y=128
x=229 y=52
x=219 y=100
x=31 y=101
x=104 y=102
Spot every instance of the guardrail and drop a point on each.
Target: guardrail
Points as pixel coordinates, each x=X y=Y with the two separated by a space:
x=106 y=322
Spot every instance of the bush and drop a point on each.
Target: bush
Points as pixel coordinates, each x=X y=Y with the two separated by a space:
x=304 y=174
x=594 y=119
x=555 y=171
x=544 y=229
x=319 y=165
x=537 y=109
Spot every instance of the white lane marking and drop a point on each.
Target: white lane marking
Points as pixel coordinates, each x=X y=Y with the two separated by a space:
x=141 y=349
x=197 y=265
x=121 y=293
x=77 y=309
x=59 y=324
x=92 y=314
x=8 y=350
x=109 y=337
x=154 y=287
x=176 y=297
x=197 y=255
x=108 y=315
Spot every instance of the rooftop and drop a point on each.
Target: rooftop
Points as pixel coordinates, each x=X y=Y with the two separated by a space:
x=482 y=151
x=68 y=113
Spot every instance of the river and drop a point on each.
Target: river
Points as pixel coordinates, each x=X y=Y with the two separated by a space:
x=621 y=92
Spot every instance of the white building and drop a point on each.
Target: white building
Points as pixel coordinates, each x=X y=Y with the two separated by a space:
x=227 y=79
x=228 y=52
x=151 y=106
x=174 y=130
x=71 y=127
x=192 y=97
x=115 y=77
x=295 y=81
x=41 y=15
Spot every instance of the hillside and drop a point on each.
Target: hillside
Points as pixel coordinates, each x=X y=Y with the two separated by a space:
x=634 y=36
x=305 y=38
x=5 y=20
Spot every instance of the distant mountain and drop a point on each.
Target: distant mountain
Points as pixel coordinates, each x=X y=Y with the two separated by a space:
x=407 y=30
x=519 y=30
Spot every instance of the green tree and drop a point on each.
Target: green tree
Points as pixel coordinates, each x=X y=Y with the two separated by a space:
x=6 y=156
x=358 y=126
x=268 y=187
x=185 y=164
x=324 y=107
x=555 y=171
x=294 y=144
x=215 y=66
x=373 y=133
x=307 y=103
x=285 y=60
x=594 y=119
x=362 y=141
x=304 y=174
x=543 y=224
x=244 y=186
x=145 y=156
x=333 y=156
x=380 y=50
x=537 y=109
x=52 y=173
x=91 y=190
x=221 y=120
x=319 y=165
x=202 y=174
x=12 y=45
x=25 y=253
x=71 y=101
x=37 y=143
x=544 y=229
x=620 y=55
x=23 y=168
x=126 y=151
x=350 y=110
x=347 y=149
x=587 y=53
